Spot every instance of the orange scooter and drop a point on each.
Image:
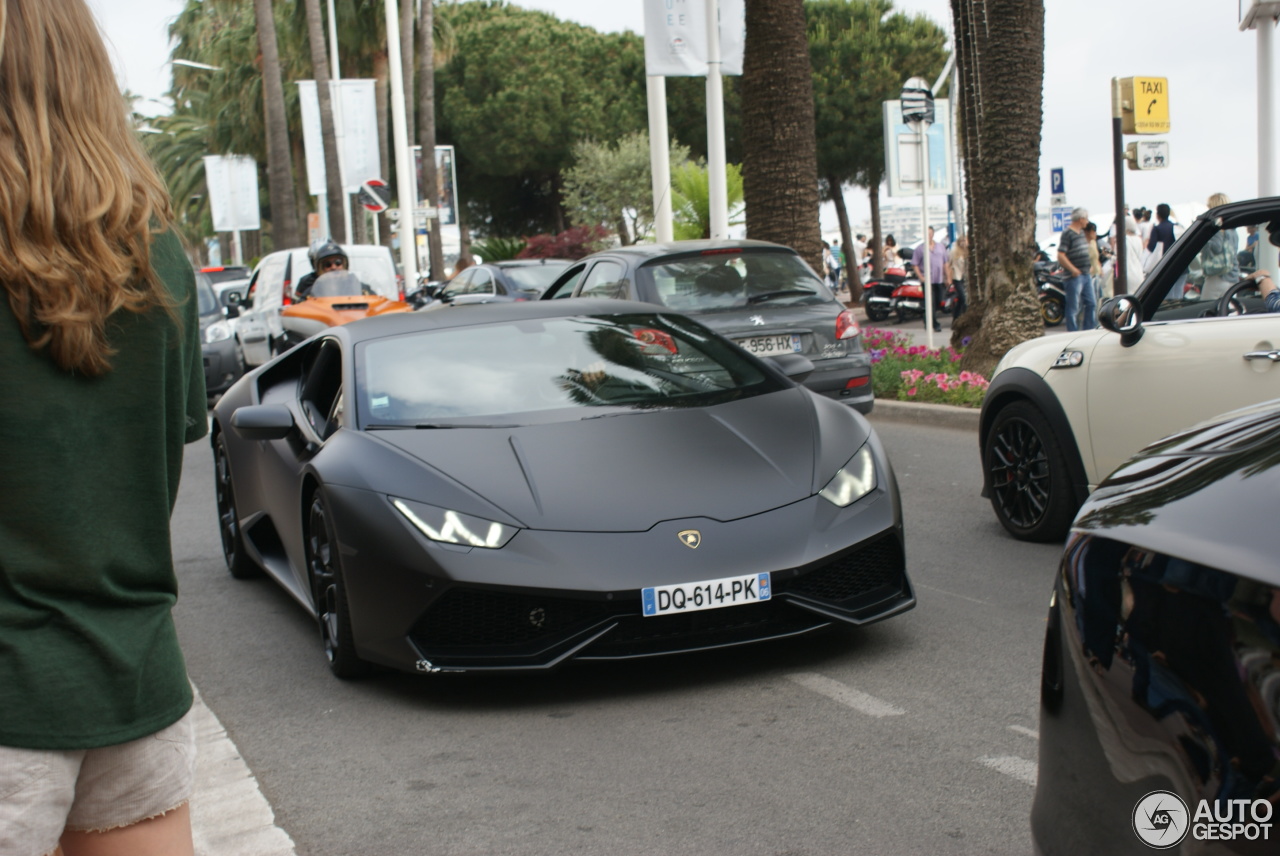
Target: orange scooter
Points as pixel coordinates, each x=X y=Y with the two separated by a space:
x=336 y=298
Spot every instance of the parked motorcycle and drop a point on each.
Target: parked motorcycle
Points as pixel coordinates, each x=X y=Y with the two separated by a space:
x=877 y=294
x=1051 y=291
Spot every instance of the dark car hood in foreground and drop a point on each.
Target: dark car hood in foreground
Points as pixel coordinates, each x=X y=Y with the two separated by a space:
x=630 y=471
x=1209 y=494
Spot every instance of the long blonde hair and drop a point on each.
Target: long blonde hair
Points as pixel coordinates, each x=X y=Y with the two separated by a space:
x=78 y=196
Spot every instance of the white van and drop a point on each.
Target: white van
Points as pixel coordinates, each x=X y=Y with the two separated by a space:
x=271 y=289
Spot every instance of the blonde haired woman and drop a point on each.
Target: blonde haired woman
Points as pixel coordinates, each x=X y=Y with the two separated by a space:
x=104 y=381
x=1218 y=260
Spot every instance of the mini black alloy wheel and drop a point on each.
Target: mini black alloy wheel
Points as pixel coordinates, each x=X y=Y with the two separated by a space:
x=1027 y=475
x=238 y=562
x=329 y=593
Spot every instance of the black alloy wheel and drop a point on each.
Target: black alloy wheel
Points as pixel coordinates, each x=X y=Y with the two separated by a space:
x=329 y=594
x=238 y=562
x=1030 y=491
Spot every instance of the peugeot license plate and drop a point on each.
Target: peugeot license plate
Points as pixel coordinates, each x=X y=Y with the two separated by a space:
x=765 y=345
x=708 y=594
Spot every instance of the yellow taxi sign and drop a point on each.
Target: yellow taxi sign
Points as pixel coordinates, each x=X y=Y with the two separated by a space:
x=1144 y=105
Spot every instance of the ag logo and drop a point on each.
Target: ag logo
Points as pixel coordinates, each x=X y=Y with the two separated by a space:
x=1161 y=820
x=691 y=538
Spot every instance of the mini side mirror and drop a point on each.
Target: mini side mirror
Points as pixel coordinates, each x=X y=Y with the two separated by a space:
x=1122 y=315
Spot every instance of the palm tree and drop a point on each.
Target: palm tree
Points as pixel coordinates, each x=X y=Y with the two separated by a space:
x=320 y=65
x=780 y=161
x=1000 y=58
x=284 y=212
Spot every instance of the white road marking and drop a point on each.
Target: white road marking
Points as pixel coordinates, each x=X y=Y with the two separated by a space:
x=952 y=594
x=229 y=814
x=1026 y=732
x=846 y=695
x=1013 y=766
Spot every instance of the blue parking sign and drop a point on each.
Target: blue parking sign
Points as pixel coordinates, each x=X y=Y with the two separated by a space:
x=1056 y=182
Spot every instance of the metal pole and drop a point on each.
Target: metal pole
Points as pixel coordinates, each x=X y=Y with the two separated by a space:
x=404 y=168
x=716 y=160
x=1268 y=257
x=1120 y=261
x=927 y=281
x=660 y=158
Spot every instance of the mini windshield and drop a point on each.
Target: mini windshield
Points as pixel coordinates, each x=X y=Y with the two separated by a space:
x=507 y=373
x=731 y=279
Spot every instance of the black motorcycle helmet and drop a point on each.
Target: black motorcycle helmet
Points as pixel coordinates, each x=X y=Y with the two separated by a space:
x=327 y=250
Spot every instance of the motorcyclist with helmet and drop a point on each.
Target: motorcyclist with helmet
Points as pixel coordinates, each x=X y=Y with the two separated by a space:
x=325 y=256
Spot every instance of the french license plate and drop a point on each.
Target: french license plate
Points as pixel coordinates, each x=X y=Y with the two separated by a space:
x=708 y=594
x=765 y=345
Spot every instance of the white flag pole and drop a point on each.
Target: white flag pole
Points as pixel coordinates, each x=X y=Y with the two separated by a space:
x=716 y=159
x=404 y=165
x=660 y=158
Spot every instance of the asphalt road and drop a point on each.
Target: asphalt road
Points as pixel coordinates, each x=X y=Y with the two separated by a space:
x=912 y=736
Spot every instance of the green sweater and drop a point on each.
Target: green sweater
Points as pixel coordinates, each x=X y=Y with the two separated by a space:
x=89 y=471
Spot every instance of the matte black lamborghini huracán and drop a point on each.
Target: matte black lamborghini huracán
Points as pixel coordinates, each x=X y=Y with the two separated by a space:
x=509 y=487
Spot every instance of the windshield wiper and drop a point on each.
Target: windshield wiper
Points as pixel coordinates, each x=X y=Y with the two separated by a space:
x=769 y=295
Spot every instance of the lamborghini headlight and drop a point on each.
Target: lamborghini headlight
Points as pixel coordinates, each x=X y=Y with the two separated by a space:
x=454 y=527
x=853 y=481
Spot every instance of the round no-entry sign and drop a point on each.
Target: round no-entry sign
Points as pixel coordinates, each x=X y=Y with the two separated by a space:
x=375 y=195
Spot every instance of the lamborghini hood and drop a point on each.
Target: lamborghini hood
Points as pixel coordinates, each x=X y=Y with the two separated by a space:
x=627 y=472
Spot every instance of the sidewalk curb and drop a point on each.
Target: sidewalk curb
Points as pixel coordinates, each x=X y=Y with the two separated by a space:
x=938 y=415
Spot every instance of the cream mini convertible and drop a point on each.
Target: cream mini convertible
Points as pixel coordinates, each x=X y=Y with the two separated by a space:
x=1065 y=410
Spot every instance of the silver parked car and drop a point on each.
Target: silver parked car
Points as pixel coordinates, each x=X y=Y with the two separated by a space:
x=760 y=295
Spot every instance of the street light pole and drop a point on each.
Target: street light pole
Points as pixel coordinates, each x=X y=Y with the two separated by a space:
x=404 y=166
x=917 y=112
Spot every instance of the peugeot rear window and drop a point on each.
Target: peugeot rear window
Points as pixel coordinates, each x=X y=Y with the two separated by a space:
x=727 y=279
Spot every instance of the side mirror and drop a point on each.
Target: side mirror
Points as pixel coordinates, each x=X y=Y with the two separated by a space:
x=232 y=298
x=263 y=422
x=1122 y=315
x=795 y=366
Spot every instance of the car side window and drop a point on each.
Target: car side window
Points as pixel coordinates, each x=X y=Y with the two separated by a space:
x=320 y=391
x=481 y=283
x=1225 y=258
x=565 y=285
x=606 y=279
x=267 y=285
x=457 y=285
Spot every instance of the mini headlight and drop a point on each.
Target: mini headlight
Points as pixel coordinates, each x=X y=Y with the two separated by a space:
x=216 y=332
x=853 y=481
x=452 y=527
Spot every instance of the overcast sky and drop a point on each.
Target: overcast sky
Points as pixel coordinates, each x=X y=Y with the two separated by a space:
x=1196 y=44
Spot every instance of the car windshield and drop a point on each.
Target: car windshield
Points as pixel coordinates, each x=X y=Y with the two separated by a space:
x=546 y=369
x=722 y=279
x=338 y=283
x=226 y=274
x=1226 y=256
x=535 y=277
x=207 y=301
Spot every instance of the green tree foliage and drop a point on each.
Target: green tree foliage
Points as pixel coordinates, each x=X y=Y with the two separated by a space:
x=862 y=52
x=521 y=89
x=612 y=185
x=691 y=199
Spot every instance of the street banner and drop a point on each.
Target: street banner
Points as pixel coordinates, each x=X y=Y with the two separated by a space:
x=675 y=37
x=232 y=184
x=902 y=151
x=355 y=122
x=445 y=199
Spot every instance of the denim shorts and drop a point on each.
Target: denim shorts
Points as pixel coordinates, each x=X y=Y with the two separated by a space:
x=44 y=792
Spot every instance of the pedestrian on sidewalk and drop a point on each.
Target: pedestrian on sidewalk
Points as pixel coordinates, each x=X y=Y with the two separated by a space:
x=938 y=273
x=99 y=341
x=1073 y=254
x=958 y=261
